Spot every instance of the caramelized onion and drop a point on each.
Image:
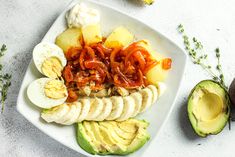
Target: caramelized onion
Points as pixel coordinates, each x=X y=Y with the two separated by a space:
x=98 y=65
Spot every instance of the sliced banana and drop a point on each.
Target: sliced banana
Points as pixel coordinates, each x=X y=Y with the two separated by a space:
x=76 y=114
x=154 y=91
x=138 y=103
x=95 y=109
x=68 y=115
x=147 y=96
x=128 y=108
x=85 y=102
x=106 y=110
x=51 y=115
x=161 y=88
x=117 y=109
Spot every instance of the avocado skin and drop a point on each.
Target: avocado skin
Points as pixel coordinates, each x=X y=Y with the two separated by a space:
x=141 y=139
x=198 y=132
x=82 y=141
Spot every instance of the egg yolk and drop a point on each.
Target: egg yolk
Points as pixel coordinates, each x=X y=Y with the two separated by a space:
x=52 y=67
x=55 y=89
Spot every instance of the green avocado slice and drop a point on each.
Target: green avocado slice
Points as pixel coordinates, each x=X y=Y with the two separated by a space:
x=121 y=133
x=105 y=137
x=114 y=135
x=101 y=147
x=84 y=140
x=95 y=128
x=208 y=108
x=141 y=138
x=128 y=126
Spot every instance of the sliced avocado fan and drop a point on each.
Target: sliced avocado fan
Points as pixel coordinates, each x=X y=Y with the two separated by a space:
x=208 y=108
x=111 y=137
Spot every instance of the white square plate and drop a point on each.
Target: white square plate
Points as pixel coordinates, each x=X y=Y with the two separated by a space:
x=156 y=115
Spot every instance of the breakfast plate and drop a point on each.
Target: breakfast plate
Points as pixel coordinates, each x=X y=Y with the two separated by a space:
x=111 y=18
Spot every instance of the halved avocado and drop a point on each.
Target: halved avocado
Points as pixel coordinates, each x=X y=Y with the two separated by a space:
x=103 y=138
x=208 y=108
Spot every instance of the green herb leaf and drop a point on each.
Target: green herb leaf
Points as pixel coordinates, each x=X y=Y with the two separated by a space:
x=200 y=58
x=5 y=79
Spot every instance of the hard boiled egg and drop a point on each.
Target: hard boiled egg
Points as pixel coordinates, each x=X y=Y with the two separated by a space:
x=47 y=92
x=49 y=59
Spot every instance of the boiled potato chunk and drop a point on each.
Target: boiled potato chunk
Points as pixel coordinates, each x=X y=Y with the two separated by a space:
x=91 y=34
x=120 y=37
x=69 y=38
x=145 y=43
x=156 y=74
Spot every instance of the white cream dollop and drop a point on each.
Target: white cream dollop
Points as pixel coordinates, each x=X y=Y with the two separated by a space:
x=80 y=15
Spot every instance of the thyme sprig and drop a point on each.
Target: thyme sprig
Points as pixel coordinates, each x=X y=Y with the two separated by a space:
x=195 y=50
x=5 y=79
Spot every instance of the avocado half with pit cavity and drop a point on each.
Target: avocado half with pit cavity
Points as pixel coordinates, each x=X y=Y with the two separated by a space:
x=112 y=137
x=208 y=108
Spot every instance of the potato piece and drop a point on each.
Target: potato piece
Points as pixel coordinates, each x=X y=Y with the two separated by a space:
x=119 y=37
x=69 y=38
x=156 y=74
x=145 y=43
x=91 y=34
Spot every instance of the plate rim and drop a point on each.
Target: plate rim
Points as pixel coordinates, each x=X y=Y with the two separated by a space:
x=70 y=4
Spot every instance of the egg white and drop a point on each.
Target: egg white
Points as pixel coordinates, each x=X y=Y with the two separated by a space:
x=45 y=50
x=37 y=95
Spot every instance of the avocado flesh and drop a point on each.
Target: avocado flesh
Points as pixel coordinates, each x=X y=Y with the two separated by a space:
x=208 y=108
x=103 y=138
x=98 y=146
x=141 y=138
x=131 y=124
x=114 y=135
x=99 y=137
x=120 y=132
x=84 y=140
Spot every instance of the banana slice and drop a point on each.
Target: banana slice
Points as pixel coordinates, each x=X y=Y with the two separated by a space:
x=138 y=102
x=68 y=115
x=154 y=91
x=147 y=96
x=106 y=110
x=96 y=108
x=117 y=109
x=85 y=109
x=55 y=113
x=76 y=114
x=161 y=88
x=128 y=109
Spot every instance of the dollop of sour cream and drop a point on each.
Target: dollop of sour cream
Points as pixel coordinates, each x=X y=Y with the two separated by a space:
x=80 y=15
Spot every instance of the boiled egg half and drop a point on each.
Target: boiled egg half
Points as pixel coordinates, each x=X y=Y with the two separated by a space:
x=47 y=92
x=49 y=59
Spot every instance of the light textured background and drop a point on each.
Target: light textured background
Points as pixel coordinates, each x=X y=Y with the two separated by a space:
x=24 y=23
